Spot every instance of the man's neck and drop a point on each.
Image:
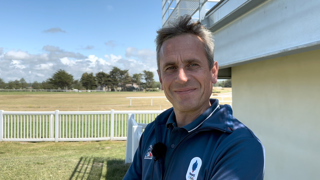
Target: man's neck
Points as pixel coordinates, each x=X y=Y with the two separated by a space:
x=183 y=118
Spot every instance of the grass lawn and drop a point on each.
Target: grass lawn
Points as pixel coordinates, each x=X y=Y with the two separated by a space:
x=63 y=160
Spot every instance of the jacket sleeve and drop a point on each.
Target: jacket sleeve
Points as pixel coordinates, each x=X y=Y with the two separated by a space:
x=135 y=169
x=241 y=159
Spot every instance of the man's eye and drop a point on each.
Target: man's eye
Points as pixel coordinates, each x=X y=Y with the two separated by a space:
x=193 y=65
x=170 y=68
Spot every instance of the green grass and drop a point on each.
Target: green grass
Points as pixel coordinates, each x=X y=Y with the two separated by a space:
x=63 y=160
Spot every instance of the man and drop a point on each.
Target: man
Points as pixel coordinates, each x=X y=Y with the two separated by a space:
x=197 y=138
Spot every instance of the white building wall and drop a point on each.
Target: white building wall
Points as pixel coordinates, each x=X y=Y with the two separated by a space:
x=274 y=27
x=279 y=99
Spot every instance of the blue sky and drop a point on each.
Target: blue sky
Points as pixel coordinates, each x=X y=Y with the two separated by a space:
x=39 y=37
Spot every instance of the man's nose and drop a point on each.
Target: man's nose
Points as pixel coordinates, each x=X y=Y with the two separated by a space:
x=182 y=76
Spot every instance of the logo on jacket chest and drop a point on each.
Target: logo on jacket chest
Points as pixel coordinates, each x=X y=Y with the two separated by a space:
x=149 y=153
x=194 y=168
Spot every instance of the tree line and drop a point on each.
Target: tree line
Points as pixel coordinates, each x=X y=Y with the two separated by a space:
x=115 y=80
x=225 y=83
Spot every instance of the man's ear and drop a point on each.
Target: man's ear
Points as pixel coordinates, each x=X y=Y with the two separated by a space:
x=160 y=79
x=214 y=72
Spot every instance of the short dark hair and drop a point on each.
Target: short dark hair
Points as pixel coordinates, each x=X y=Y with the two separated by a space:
x=184 y=25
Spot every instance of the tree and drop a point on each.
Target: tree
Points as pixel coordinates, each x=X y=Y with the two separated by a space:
x=77 y=84
x=12 y=85
x=108 y=81
x=125 y=79
x=136 y=78
x=225 y=83
x=156 y=85
x=114 y=77
x=102 y=79
x=61 y=79
x=148 y=77
x=23 y=83
x=88 y=80
x=46 y=84
x=119 y=78
x=17 y=84
x=2 y=84
x=36 y=85
x=228 y=83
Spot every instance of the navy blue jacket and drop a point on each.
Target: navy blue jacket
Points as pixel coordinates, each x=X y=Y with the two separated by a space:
x=221 y=147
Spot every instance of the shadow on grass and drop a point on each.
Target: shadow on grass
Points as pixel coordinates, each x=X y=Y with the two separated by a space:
x=93 y=168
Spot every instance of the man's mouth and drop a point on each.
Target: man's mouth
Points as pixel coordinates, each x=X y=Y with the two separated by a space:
x=185 y=90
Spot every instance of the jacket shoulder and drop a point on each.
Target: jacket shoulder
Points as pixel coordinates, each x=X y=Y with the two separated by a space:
x=160 y=120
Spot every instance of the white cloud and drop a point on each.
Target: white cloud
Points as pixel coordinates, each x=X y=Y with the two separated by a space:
x=93 y=60
x=103 y=62
x=47 y=66
x=88 y=47
x=39 y=75
x=113 y=58
x=44 y=56
x=51 y=48
x=67 y=61
x=145 y=57
x=20 y=55
x=17 y=64
x=57 y=53
x=141 y=54
x=54 y=30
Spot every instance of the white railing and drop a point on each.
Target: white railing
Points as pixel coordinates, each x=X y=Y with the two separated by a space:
x=69 y=125
x=135 y=131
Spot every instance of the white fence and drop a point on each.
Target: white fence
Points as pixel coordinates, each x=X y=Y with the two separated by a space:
x=69 y=125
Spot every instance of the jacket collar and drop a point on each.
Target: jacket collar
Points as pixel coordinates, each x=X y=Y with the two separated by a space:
x=216 y=117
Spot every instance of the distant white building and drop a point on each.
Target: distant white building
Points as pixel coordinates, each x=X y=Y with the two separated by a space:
x=271 y=51
x=132 y=87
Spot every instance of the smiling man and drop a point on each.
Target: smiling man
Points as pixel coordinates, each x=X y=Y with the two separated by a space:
x=197 y=138
x=186 y=77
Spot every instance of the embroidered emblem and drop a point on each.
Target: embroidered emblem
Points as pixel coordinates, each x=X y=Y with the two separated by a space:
x=194 y=168
x=149 y=153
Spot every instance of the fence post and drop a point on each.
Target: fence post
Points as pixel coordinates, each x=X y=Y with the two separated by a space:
x=1 y=125
x=129 y=116
x=57 y=125
x=112 y=124
x=137 y=132
x=129 y=157
x=51 y=126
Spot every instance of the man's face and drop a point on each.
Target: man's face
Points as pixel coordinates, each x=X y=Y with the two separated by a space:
x=184 y=73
